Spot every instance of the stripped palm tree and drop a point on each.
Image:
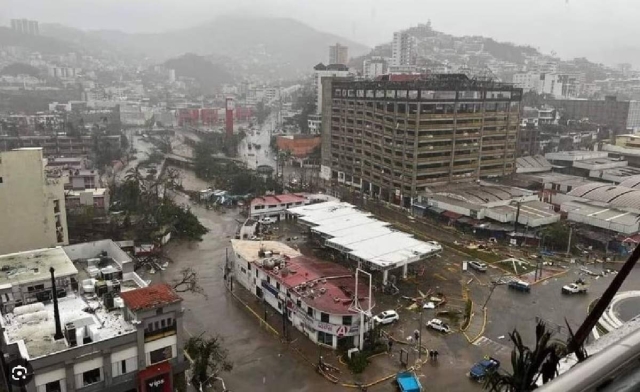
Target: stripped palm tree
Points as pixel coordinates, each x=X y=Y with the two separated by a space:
x=528 y=364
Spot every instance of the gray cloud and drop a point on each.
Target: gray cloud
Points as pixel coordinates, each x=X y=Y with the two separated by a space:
x=592 y=28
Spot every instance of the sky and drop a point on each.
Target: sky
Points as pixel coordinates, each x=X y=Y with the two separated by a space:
x=601 y=30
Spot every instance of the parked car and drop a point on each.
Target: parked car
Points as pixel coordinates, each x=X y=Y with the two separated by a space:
x=477 y=265
x=386 y=317
x=267 y=221
x=479 y=371
x=519 y=285
x=438 y=325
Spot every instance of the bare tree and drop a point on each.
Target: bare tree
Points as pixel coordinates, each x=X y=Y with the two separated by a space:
x=188 y=282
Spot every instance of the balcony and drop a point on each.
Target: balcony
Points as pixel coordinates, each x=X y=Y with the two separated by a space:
x=492 y=162
x=443 y=127
x=434 y=159
x=430 y=137
x=465 y=167
x=156 y=334
x=494 y=143
x=428 y=148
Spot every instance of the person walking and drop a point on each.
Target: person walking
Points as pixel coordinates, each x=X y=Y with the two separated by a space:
x=435 y=355
x=430 y=354
x=390 y=343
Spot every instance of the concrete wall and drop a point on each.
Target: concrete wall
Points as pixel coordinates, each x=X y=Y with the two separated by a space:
x=27 y=200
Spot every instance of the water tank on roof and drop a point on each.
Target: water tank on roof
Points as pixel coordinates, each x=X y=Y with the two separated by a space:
x=26 y=309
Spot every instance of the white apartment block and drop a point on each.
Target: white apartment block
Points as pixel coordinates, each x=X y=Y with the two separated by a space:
x=403 y=49
x=32 y=206
x=374 y=67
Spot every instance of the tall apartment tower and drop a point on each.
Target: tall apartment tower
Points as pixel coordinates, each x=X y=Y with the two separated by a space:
x=393 y=139
x=25 y=26
x=338 y=54
x=32 y=206
x=403 y=49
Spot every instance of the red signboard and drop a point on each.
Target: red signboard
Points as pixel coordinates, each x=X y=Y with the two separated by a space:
x=155 y=378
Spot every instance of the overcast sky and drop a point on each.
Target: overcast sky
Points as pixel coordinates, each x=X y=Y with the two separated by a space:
x=591 y=28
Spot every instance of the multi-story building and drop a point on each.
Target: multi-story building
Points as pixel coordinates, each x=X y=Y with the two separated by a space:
x=56 y=146
x=275 y=206
x=32 y=206
x=403 y=49
x=317 y=296
x=323 y=71
x=338 y=54
x=105 y=329
x=609 y=112
x=374 y=67
x=393 y=139
x=25 y=26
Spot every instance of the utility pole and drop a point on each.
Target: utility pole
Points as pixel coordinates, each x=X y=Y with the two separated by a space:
x=569 y=242
x=515 y=223
x=420 y=335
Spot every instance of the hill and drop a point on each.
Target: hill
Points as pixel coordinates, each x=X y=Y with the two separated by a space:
x=206 y=73
x=37 y=43
x=15 y=69
x=277 y=46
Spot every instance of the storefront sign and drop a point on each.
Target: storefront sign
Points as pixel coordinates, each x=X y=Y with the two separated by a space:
x=312 y=324
x=269 y=288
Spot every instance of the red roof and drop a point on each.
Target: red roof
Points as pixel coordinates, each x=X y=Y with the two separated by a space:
x=339 y=284
x=277 y=199
x=451 y=214
x=150 y=297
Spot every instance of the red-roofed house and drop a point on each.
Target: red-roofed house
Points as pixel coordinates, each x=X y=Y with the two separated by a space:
x=275 y=206
x=318 y=295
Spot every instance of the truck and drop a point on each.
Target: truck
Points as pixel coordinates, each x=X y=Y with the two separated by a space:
x=579 y=287
x=408 y=382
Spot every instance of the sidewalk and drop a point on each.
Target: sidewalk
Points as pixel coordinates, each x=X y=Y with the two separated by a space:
x=382 y=367
x=476 y=326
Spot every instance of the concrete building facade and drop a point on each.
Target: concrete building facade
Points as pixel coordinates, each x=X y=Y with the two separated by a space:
x=609 y=112
x=403 y=49
x=338 y=54
x=32 y=206
x=393 y=139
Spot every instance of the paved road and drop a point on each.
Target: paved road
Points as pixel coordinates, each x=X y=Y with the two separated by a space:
x=263 y=156
x=262 y=363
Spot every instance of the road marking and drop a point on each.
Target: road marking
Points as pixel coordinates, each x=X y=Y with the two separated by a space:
x=439 y=276
x=496 y=347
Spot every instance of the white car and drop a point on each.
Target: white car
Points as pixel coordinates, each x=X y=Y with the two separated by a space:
x=477 y=265
x=429 y=305
x=267 y=221
x=438 y=325
x=386 y=317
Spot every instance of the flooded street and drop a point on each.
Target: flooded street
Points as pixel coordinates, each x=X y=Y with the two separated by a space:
x=261 y=362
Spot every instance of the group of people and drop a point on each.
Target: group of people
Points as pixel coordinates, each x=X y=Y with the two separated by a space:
x=433 y=355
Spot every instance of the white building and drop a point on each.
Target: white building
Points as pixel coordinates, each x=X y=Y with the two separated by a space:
x=374 y=67
x=107 y=331
x=403 y=49
x=560 y=85
x=314 y=122
x=275 y=206
x=324 y=71
x=32 y=206
x=318 y=296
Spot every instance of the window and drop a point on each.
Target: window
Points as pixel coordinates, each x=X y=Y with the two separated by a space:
x=53 y=386
x=162 y=323
x=278 y=286
x=249 y=266
x=325 y=338
x=125 y=366
x=160 y=355
x=310 y=311
x=324 y=317
x=268 y=280
x=244 y=271
x=347 y=320
x=159 y=311
x=299 y=303
x=92 y=376
x=256 y=273
x=0 y=180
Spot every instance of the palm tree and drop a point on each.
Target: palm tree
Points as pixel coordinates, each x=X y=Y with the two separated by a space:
x=528 y=364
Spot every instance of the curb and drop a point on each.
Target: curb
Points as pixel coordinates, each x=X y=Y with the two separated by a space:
x=262 y=322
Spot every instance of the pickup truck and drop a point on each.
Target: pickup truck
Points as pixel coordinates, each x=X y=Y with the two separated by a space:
x=480 y=370
x=408 y=382
x=574 y=288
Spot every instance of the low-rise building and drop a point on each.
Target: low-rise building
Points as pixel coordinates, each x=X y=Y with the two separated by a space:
x=319 y=297
x=105 y=330
x=275 y=206
x=98 y=198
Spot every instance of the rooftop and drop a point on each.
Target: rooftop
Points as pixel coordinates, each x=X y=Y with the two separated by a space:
x=33 y=266
x=278 y=199
x=532 y=164
x=249 y=250
x=480 y=194
x=432 y=81
x=35 y=329
x=575 y=155
x=355 y=232
x=618 y=196
x=326 y=286
x=150 y=297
